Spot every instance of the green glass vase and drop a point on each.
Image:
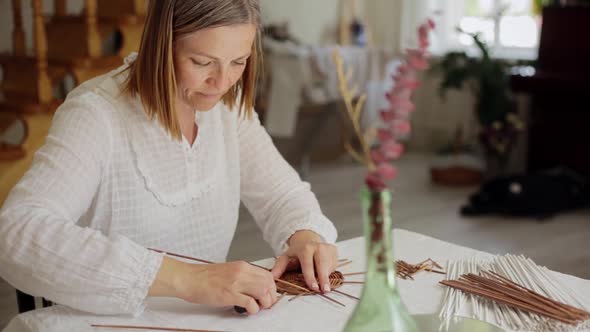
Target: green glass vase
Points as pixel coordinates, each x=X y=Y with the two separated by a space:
x=380 y=308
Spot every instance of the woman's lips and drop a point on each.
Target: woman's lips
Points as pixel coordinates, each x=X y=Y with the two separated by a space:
x=208 y=96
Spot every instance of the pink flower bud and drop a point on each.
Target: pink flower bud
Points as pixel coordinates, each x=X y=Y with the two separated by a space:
x=398 y=103
x=377 y=157
x=386 y=171
x=431 y=24
x=424 y=44
x=391 y=150
x=405 y=70
x=401 y=127
x=417 y=59
x=374 y=182
x=387 y=115
x=408 y=83
x=423 y=31
x=384 y=135
x=401 y=92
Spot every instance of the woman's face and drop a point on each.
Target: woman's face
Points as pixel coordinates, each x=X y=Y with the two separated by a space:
x=209 y=62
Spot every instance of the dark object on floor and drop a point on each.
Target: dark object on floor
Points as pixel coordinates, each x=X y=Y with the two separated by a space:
x=540 y=195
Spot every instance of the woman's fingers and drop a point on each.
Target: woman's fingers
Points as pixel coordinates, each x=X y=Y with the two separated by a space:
x=247 y=303
x=317 y=261
x=280 y=266
x=307 y=267
x=323 y=263
x=260 y=285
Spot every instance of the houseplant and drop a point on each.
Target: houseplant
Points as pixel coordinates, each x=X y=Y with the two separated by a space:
x=487 y=79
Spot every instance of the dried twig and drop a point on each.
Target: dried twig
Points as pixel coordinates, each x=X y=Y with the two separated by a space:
x=353 y=110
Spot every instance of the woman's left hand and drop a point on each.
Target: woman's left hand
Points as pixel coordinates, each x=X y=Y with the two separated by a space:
x=316 y=258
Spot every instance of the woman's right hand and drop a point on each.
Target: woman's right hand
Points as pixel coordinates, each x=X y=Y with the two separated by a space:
x=224 y=284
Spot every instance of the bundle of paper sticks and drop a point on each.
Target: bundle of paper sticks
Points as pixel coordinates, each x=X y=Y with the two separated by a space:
x=514 y=293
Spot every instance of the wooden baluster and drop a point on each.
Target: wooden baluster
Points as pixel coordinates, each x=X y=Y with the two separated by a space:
x=140 y=7
x=44 y=92
x=18 y=34
x=94 y=44
x=61 y=7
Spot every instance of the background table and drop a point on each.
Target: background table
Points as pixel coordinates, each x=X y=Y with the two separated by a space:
x=310 y=313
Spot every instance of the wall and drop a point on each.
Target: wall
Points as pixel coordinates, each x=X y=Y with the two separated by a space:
x=311 y=21
x=384 y=17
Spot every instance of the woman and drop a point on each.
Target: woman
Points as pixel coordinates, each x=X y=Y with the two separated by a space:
x=158 y=154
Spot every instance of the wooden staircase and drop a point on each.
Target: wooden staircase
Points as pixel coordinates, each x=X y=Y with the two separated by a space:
x=76 y=41
x=26 y=86
x=63 y=45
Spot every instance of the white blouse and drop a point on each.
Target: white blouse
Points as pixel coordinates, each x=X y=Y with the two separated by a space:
x=109 y=183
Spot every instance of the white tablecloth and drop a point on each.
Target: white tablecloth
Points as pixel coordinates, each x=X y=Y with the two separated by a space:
x=424 y=295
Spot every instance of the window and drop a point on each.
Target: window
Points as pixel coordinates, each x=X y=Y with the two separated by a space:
x=507 y=26
x=511 y=28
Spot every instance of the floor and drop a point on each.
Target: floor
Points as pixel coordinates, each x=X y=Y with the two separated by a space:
x=560 y=243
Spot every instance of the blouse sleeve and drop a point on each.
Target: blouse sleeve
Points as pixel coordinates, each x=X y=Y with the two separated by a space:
x=280 y=202
x=42 y=250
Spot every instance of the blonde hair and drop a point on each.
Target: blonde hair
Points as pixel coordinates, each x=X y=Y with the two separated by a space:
x=151 y=75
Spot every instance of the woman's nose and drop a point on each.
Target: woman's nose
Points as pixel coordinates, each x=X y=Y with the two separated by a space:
x=219 y=79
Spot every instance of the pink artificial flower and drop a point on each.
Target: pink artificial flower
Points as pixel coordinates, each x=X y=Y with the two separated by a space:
x=400 y=91
x=408 y=83
x=401 y=127
x=384 y=135
x=387 y=115
x=386 y=171
x=405 y=70
x=401 y=103
x=417 y=59
x=431 y=24
x=396 y=115
x=423 y=31
x=424 y=44
x=377 y=157
x=374 y=182
x=391 y=150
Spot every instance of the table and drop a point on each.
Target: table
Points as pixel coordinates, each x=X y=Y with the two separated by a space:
x=424 y=295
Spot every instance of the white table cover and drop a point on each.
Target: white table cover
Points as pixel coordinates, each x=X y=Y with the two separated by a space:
x=310 y=313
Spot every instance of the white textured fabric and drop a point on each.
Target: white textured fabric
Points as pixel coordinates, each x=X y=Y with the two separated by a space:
x=109 y=182
x=424 y=295
x=296 y=72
